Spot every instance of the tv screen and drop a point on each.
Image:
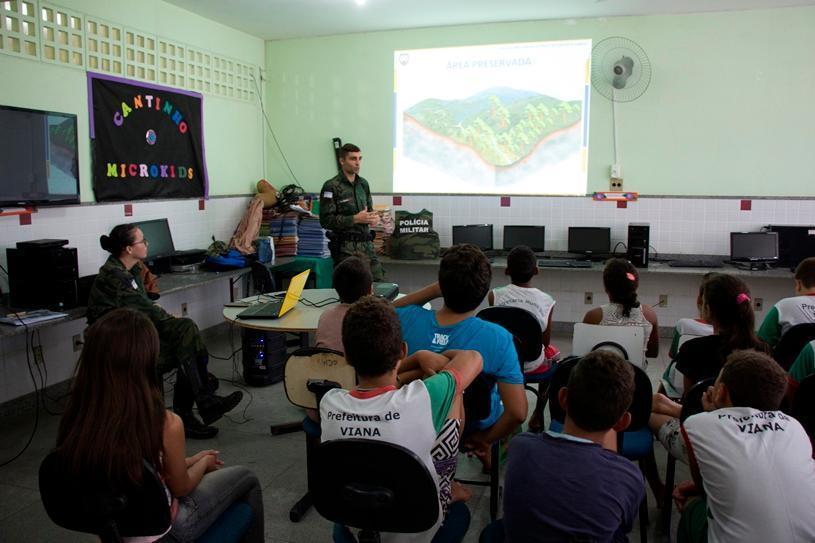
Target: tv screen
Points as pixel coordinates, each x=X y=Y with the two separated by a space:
x=159 y=239
x=753 y=246
x=589 y=240
x=479 y=235
x=38 y=158
x=531 y=236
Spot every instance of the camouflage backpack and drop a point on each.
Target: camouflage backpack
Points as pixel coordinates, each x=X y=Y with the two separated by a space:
x=413 y=237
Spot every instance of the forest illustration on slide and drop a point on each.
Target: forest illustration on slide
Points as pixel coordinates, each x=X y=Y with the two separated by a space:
x=503 y=125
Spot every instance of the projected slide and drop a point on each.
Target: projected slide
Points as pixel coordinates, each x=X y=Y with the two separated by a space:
x=497 y=119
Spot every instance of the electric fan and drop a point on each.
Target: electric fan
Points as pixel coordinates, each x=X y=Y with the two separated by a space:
x=620 y=69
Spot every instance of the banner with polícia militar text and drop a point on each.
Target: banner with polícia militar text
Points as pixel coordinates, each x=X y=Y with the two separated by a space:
x=147 y=140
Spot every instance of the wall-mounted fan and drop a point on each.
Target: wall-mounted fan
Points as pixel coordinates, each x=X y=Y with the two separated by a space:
x=620 y=69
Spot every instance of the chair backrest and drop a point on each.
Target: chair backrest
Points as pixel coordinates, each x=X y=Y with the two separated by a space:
x=792 y=342
x=524 y=327
x=640 y=406
x=477 y=397
x=374 y=485
x=91 y=505
x=692 y=402
x=803 y=405
x=627 y=341
x=262 y=278
x=312 y=364
x=684 y=338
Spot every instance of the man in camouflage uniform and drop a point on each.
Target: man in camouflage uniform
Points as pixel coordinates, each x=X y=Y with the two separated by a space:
x=346 y=210
x=181 y=345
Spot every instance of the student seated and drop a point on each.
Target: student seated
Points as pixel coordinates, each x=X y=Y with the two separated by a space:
x=352 y=280
x=752 y=464
x=464 y=280
x=573 y=486
x=115 y=419
x=621 y=279
x=802 y=367
x=521 y=268
x=119 y=284
x=696 y=327
x=372 y=340
x=789 y=312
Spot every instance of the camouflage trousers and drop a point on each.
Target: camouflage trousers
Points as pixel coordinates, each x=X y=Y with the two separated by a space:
x=343 y=249
x=180 y=343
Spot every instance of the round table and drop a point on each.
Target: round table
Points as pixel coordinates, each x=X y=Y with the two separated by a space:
x=301 y=318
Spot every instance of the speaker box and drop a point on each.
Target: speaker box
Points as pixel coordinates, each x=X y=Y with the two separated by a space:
x=42 y=277
x=639 y=239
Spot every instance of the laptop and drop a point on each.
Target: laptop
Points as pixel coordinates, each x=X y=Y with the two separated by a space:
x=277 y=308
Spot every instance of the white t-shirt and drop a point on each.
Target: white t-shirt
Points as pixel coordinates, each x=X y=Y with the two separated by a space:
x=533 y=300
x=758 y=474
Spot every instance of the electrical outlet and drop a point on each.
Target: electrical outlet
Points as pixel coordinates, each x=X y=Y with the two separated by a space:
x=758 y=304
x=588 y=298
x=37 y=351
x=184 y=309
x=77 y=340
x=616 y=184
x=663 y=300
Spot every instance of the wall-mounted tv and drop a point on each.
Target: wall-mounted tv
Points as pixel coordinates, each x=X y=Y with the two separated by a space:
x=38 y=158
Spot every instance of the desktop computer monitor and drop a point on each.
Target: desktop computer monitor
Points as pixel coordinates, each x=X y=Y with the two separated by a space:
x=590 y=240
x=479 y=235
x=531 y=236
x=157 y=234
x=754 y=246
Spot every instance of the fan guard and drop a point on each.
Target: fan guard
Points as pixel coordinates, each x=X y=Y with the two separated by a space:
x=620 y=69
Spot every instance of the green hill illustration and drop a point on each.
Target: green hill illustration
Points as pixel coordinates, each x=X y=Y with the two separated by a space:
x=502 y=125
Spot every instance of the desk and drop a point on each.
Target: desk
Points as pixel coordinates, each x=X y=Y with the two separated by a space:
x=300 y=319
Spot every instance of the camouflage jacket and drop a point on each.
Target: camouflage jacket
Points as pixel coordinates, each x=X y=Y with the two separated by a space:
x=116 y=287
x=340 y=200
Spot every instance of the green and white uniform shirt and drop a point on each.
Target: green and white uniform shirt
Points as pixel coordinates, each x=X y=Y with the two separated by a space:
x=804 y=365
x=784 y=315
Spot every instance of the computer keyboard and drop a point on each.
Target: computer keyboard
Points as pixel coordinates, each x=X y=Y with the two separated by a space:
x=555 y=263
x=696 y=263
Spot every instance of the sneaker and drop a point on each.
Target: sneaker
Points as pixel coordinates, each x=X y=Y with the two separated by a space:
x=195 y=429
x=211 y=408
x=212 y=383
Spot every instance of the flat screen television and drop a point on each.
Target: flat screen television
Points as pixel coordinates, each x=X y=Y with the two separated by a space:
x=479 y=235
x=38 y=158
x=533 y=237
x=590 y=241
x=754 y=246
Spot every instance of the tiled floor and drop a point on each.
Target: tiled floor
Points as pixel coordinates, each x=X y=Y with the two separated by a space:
x=244 y=439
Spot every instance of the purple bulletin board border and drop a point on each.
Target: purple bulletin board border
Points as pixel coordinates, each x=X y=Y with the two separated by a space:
x=106 y=77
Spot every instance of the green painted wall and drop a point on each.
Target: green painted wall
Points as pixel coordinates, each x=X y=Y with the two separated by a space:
x=730 y=109
x=233 y=132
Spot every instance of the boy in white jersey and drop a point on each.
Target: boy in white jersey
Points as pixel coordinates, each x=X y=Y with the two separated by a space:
x=789 y=312
x=753 y=462
x=412 y=416
x=521 y=268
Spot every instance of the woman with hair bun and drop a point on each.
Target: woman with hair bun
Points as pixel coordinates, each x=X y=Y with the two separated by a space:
x=119 y=284
x=621 y=279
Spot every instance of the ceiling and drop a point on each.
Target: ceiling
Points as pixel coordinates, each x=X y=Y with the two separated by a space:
x=282 y=19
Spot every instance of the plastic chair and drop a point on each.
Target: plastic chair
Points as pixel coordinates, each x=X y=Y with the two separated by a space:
x=692 y=404
x=374 y=486
x=673 y=381
x=803 y=405
x=308 y=374
x=635 y=442
x=627 y=341
x=791 y=344
x=527 y=336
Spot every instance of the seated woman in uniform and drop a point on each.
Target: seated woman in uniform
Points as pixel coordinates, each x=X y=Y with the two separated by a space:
x=119 y=284
x=116 y=401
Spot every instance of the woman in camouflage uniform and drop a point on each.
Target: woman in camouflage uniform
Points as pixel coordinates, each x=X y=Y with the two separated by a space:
x=119 y=284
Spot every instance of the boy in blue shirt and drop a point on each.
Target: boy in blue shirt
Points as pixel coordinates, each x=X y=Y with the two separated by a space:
x=464 y=280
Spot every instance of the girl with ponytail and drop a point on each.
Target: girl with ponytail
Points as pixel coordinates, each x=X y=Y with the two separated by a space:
x=621 y=279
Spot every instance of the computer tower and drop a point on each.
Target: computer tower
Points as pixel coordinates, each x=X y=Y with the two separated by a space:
x=639 y=239
x=795 y=243
x=42 y=277
x=264 y=357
